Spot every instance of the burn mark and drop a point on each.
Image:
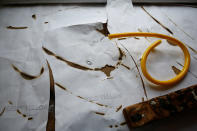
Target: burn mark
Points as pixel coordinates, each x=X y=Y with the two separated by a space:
x=99 y=113
x=140 y=30
x=61 y=86
x=30 y=118
x=1 y=113
x=118 y=108
x=123 y=123
x=16 y=28
x=122 y=38
x=46 y=22
x=10 y=102
x=20 y=113
x=107 y=69
x=91 y=101
x=72 y=64
x=143 y=85
x=188 y=70
x=99 y=104
x=51 y=111
x=80 y=97
x=104 y=31
x=110 y=126
x=158 y=22
x=34 y=16
x=171 y=43
x=142 y=99
x=136 y=38
x=179 y=27
x=121 y=54
x=27 y=76
x=126 y=66
x=109 y=77
x=192 y=49
x=176 y=70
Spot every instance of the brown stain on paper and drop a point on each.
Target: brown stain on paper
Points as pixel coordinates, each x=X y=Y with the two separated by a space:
x=176 y=70
x=105 y=30
x=140 y=30
x=179 y=27
x=80 y=97
x=51 y=111
x=30 y=118
x=34 y=16
x=126 y=66
x=122 y=38
x=99 y=113
x=143 y=85
x=3 y=110
x=188 y=70
x=10 y=102
x=16 y=28
x=20 y=113
x=158 y=22
x=123 y=123
x=28 y=76
x=60 y=86
x=110 y=126
x=107 y=69
x=118 y=108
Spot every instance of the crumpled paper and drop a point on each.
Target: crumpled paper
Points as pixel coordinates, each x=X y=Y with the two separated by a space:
x=95 y=78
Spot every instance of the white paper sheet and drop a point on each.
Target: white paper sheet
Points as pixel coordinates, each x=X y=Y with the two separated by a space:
x=73 y=33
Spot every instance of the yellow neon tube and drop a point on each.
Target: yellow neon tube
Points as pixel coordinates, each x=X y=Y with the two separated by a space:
x=172 y=81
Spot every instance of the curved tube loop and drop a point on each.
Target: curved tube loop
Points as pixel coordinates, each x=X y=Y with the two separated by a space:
x=172 y=81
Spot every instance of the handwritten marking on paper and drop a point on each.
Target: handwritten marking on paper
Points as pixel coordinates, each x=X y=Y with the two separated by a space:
x=27 y=76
